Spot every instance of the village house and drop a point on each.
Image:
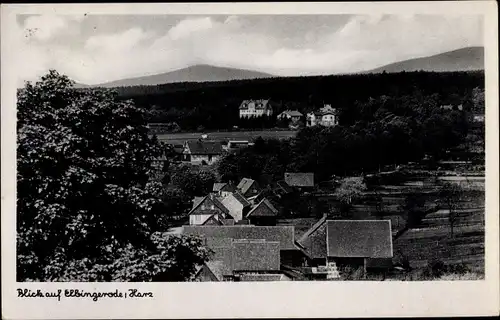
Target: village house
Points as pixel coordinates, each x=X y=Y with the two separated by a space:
x=300 y=180
x=326 y=116
x=282 y=189
x=237 y=205
x=263 y=214
x=291 y=253
x=256 y=108
x=223 y=189
x=363 y=244
x=205 y=208
x=243 y=260
x=292 y=115
x=248 y=188
x=202 y=152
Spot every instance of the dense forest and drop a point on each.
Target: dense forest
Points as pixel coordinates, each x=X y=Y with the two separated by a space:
x=214 y=105
x=381 y=131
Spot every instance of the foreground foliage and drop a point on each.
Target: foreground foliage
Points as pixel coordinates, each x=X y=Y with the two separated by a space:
x=87 y=209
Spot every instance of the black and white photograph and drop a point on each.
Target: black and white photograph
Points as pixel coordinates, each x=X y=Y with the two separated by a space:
x=271 y=147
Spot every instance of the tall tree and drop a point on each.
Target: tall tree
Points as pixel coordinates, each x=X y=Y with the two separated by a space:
x=86 y=203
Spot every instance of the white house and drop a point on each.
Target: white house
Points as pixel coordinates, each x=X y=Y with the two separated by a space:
x=292 y=115
x=326 y=116
x=237 y=205
x=202 y=152
x=206 y=207
x=255 y=108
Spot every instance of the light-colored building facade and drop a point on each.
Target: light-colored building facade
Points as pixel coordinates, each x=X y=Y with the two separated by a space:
x=202 y=152
x=326 y=116
x=256 y=108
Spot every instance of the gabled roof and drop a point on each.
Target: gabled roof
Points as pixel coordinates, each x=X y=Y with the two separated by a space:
x=218 y=186
x=314 y=240
x=263 y=209
x=214 y=220
x=245 y=184
x=291 y=113
x=217 y=268
x=253 y=255
x=299 y=179
x=259 y=104
x=204 y=147
x=327 y=109
x=241 y=199
x=359 y=238
x=282 y=234
x=284 y=186
x=211 y=198
x=244 y=255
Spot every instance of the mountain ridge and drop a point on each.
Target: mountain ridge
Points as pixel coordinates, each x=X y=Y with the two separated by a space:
x=194 y=73
x=463 y=59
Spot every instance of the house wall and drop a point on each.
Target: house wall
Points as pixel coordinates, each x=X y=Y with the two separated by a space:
x=198 y=159
x=255 y=113
x=196 y=219
x=234 y=206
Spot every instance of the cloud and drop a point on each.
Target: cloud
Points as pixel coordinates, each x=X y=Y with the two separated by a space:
x=189 y=26
x=362 y=43
x=116 y=43
x=45 y=27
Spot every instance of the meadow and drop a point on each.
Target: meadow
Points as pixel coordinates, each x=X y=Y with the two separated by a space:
x=227 y=135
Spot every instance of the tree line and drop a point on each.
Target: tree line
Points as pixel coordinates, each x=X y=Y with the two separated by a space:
x=376 y=133
x=214 y=105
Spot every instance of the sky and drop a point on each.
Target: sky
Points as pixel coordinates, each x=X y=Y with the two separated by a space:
x=94 y=49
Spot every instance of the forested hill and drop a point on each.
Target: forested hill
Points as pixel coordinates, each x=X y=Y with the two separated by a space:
x=214 y=105
x=464 y=59
x=196 y=73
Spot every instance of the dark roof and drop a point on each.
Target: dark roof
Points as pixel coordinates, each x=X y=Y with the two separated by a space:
x=292 y=113
x=245 y=185
x=283 y=234
x=204 y=147
x=284 y=186
x=259 y=104
x=241 y=199
x=299 y=179
x=218 y=186
x=245 y=255
x=214 y=220
x=211 y=198
x=359 y=238
x=223 y=186
x=327 y=109
x=263 y=209
x=314 y=240
x=253 y=255
x=217 y=268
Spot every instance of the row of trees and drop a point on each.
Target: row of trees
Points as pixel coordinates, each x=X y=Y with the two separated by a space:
x=389 y=131
x=215 y=105
x=89 y=207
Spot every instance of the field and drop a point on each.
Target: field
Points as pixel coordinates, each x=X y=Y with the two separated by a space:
x=233 y=135
x=431 y=239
